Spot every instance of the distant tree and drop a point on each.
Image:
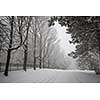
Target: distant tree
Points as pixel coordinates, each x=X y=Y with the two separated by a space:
x=41 y=32
x=49 y=43
x=41 y=39
x=34 y=32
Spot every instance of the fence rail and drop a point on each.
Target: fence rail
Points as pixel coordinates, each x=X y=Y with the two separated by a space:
x=14 y=67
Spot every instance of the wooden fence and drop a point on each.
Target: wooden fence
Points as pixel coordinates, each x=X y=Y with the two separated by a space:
x=14 y=67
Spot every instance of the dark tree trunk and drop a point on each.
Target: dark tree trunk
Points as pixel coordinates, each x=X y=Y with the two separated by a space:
x=40 y=63
x=10 y=46
x=7 y=62
x=25 y=57
x=35 y=44
x=34 y=66
x=43 y=63
x=43 y=58
x=26 y=48
x=48 y=63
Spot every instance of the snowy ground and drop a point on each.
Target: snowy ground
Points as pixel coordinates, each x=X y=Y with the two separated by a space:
x=50 y=76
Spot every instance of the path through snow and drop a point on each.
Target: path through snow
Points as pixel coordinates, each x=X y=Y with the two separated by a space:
x=50 y=76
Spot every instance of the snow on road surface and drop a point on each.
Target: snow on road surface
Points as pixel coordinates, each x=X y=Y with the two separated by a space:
x=50 y=76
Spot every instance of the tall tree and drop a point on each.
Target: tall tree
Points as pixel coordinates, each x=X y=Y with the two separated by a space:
x=34 y=39
x=13 y=36
x=28 y=20
x=10 y=46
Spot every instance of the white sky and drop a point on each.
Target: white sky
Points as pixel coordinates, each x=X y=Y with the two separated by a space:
x=64 y=39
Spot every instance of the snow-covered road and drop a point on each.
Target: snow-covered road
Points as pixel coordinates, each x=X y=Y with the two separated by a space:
x=50 y=76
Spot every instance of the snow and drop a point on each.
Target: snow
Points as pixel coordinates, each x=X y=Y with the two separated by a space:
x=50 y=76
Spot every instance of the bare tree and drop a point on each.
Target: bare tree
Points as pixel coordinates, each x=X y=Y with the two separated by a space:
x=28 y=20
x=10 y=46
x=42 y=30
x=42 y=39
x=13 y=36
x=49 y=40
x=34 y=39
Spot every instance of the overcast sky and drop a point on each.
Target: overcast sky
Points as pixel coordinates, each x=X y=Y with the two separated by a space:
x=64 y=39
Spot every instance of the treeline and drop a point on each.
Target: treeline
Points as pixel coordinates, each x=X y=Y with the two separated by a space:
x=28 y=39
x=14 y=67
x=85 y=33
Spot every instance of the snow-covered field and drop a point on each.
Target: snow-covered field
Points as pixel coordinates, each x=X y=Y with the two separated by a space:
x=50 y=76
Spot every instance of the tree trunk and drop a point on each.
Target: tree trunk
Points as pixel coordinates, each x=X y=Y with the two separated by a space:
x=7 y=62
x=9 y=50
x=43 y=63
x=25 y=57
x=26 y=49
x=40 y=63
x=43 y=58
x=48 y=63
x=34 y=66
